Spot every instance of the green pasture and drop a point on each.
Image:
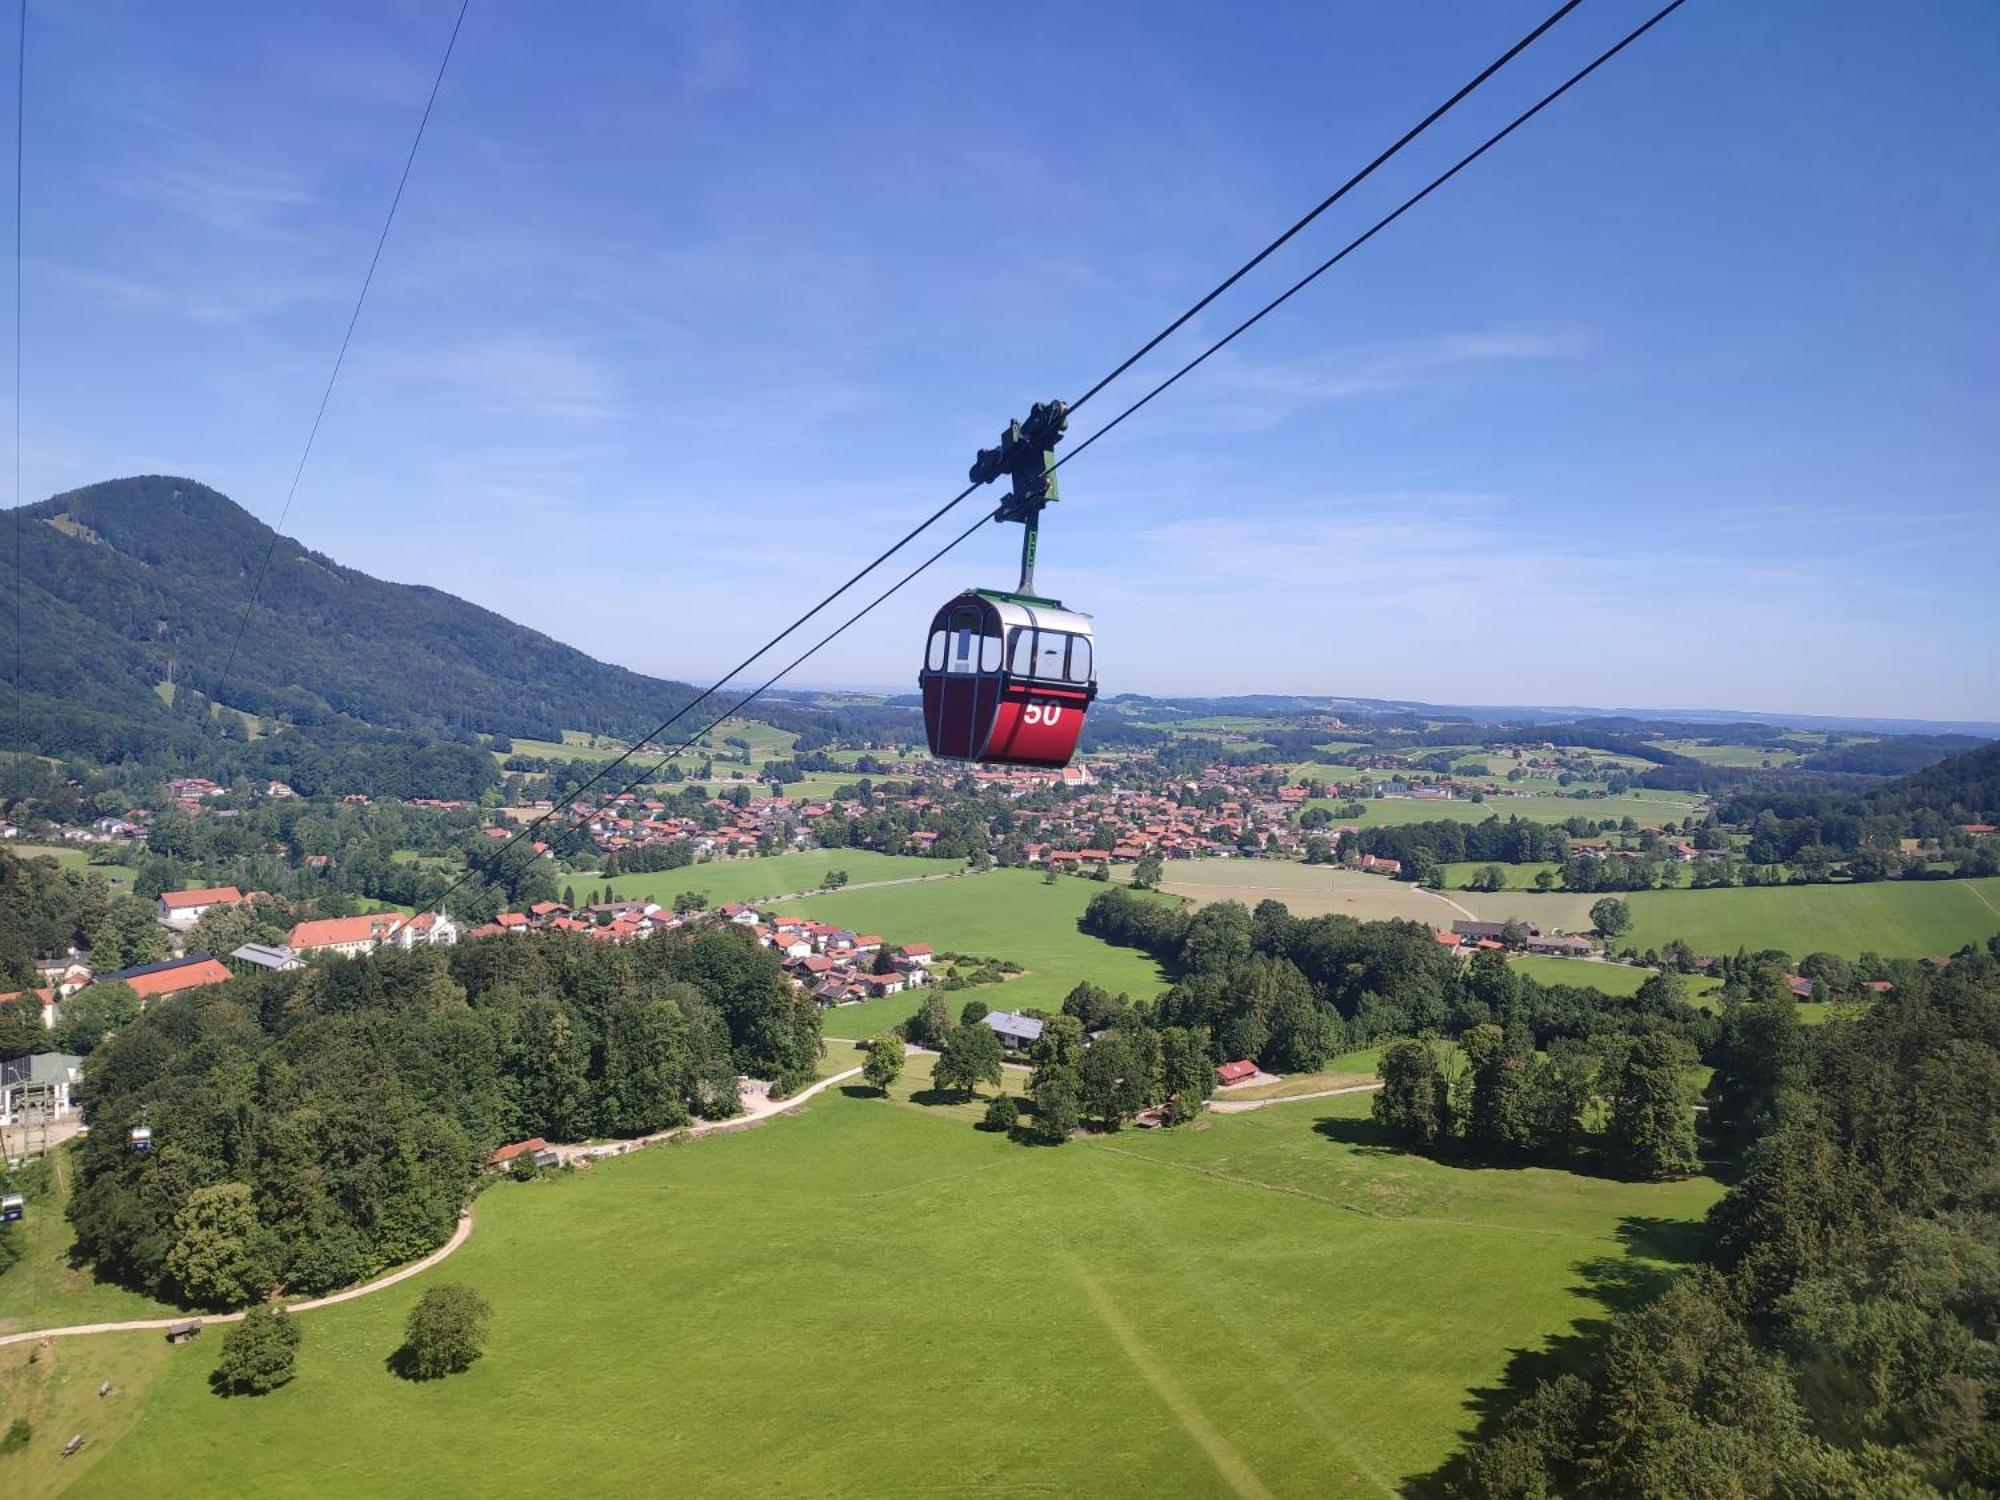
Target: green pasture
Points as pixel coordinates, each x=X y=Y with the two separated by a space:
x=866 y=1018
x=77 y=857
x=42 y=1289
x=1896 y=919
x=1250 y=1307
x=775 y=874
x=1518 y=877
x=1613 y=979
x=1727 y=755
x=1003 y=914
x=1643 y=807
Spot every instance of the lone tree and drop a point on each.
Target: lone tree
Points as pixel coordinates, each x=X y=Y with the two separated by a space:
x=884 y=1063
x=971 y=1056
x=445 y=1334
x=257 y=1353
x=1610 y=916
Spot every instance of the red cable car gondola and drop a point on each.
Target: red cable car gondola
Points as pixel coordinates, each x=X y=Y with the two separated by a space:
x=1008 y=677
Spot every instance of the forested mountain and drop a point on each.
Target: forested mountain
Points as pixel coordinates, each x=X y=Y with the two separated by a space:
x=133 y=582
x=1964 y=788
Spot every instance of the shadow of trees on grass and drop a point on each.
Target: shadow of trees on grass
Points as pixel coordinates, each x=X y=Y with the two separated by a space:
x=1655 y=1252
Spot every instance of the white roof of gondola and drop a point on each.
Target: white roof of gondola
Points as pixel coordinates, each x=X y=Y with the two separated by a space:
x=1019 y=609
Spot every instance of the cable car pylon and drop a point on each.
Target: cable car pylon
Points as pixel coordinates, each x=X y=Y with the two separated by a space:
x=1009 y=675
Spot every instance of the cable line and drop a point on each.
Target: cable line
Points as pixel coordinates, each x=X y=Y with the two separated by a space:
x=1385 y=221
x=382 y=239
x=1241 y=271
x=755 y=693
x=20 y=156
x=1327 y=202
x=1412 y=201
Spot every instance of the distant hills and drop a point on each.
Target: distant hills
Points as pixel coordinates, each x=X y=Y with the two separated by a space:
x=133 y=584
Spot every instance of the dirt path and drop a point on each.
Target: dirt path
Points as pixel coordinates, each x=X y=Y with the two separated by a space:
x=1469 y=916
x=1244 y=1106
x=459 y=1236
x=762 y=1110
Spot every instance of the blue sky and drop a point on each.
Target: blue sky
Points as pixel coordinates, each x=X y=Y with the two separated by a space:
x=1686 y=396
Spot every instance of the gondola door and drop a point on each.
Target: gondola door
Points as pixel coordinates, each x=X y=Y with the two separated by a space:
x=961 y=680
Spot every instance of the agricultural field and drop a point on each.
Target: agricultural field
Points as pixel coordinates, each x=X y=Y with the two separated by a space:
x=1613 y=979
x=1309 y=890
x=1896 y=919
x=77 y=857
x=1250 y=1307
x=866 y=1018
x=776 y=874
x=1003 y=914
x=1541 y=807
x=1728 y=755
x=1517 y=877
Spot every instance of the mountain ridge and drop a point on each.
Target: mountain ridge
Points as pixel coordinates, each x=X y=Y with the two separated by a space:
x=130 y=583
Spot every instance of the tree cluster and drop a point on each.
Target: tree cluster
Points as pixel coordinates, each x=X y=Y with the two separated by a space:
x=312 y=1128
x=1838 y=1334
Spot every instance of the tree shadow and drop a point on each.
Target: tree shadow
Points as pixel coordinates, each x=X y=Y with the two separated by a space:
x=929 y=1097
x=402 y=1363
x=1655 y=1250
x=863 y=1091
x=1365 y=1136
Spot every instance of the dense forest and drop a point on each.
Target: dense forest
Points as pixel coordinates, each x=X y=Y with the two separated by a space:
x=1290 y=992
x=312 y=1128
x=1836 y=1332
x=138 y=582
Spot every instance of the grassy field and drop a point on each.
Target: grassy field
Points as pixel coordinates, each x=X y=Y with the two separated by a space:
x=1251 y=1307
x=1897 y=919
x=866 y=1018
x=1308 y=890
x=776 y=874
x=1518 y=877
x=1536 y=807
x=1613 y=979
x=42 y=1289
x=76 y=857
x=1003 y=914
x=1727 y=755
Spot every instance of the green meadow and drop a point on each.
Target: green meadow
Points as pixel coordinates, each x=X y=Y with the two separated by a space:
x=77 y=857
x=1515 y=877
x=874 y=1298
x=1003 y=914
x=42 y=1287
x=1896 y=919
x=1538 y=807
x=775 y=874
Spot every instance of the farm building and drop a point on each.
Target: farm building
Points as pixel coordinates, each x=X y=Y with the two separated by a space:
x=1017 y=1033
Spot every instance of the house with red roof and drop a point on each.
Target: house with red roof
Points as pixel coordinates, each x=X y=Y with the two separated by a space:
x=152 y=982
